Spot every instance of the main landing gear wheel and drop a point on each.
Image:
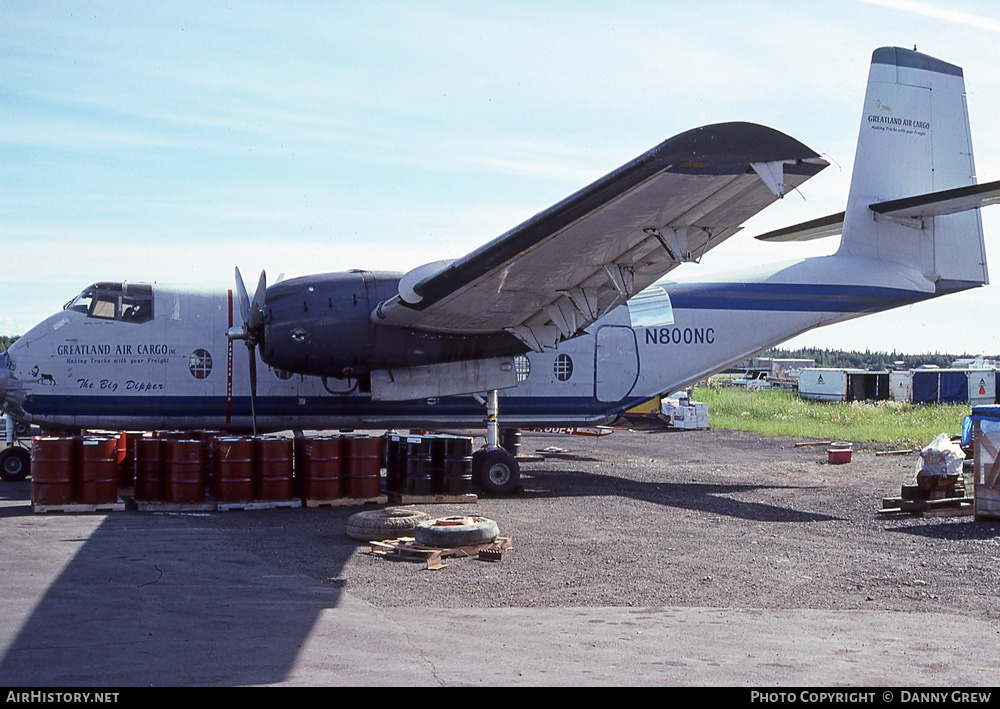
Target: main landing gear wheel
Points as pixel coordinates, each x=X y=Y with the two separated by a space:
x=15 y=463
x=496 y=471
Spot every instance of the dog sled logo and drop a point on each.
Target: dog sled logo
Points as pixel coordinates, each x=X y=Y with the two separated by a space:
x=44 y=378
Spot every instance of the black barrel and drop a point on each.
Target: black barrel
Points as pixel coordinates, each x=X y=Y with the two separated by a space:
x=456 y=465
x=417 y=466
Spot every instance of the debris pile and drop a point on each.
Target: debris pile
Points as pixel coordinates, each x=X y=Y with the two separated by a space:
x=939 y=489
x=436 y=539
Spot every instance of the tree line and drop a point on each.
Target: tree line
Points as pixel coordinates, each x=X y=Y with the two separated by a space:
x=855 y=359
x=6 y=341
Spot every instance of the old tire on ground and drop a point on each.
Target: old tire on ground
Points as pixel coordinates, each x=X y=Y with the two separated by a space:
x=447 y=532
x=496 y=471
x=15 y=463
x=388 y=523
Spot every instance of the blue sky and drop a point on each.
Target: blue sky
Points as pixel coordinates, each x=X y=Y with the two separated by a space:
x=172 y=141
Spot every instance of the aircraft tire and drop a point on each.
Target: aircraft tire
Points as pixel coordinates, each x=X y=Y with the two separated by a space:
x=449 y=532
x=15 y=463
x=388 y=523
x=496 y=471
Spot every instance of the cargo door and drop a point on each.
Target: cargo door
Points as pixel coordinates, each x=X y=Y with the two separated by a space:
x=616 y=365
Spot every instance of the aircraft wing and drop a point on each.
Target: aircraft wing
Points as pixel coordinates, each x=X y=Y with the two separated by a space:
x=561 y=270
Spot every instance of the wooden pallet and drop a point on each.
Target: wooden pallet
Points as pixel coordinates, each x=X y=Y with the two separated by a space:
x=945 y=507
x=258 y=505
x=75 y=507
x=348 y=501
x=402 y=498
x=160 y=506
x=407 y=548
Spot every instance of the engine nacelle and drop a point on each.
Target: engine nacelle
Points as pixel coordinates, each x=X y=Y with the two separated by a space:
x=320 y=325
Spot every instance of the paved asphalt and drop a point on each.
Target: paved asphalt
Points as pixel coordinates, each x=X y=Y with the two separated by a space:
x=128 y=599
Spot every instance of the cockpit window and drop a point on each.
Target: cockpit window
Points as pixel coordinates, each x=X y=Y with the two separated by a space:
x=126 y=302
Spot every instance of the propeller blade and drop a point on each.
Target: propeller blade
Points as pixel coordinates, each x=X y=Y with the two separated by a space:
x=257 y=305
x=252 y=351
x=241 y=292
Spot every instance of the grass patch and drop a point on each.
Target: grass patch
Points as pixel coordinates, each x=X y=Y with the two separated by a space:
x=780 y=413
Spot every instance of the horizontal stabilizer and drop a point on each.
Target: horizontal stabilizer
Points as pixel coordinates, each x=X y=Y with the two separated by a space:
x=932 y=204
x=806 y=231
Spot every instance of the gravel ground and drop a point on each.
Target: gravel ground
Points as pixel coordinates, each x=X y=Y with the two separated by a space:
x=672 y=518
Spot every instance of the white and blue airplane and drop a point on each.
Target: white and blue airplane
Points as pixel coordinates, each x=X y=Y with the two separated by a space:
x=562 y=321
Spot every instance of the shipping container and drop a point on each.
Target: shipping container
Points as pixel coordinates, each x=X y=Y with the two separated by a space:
x=822 y=384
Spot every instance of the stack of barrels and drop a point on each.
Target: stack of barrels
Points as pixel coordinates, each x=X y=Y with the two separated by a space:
x=190 y=467
x=333 y=467
x=80 y=469
x=428 y=465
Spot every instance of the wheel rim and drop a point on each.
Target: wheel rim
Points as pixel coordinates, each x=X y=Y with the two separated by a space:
x=498 y=474
x=13 y=465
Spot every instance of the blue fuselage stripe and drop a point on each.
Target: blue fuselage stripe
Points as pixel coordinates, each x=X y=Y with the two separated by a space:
x=790 y=297
x=292 y=407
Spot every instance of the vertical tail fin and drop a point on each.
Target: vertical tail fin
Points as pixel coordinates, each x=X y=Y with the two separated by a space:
x=915 y=140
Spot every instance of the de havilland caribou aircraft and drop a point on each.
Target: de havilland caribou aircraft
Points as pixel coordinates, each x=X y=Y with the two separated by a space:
x=562 y=321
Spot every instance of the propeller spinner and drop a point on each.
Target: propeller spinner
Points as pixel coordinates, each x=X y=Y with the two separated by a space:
x=251 y=331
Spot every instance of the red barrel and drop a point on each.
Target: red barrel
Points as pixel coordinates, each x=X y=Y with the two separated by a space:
x=53 y=463
x=321 y=467
x=362 y=466
x=234 y=466
x=184 y=472
x=149 y=466
x=97 y=470
x=209 y=438
x=126 y=458
x=274 y=478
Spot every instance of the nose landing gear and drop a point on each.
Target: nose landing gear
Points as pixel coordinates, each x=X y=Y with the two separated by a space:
x=15 y=463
